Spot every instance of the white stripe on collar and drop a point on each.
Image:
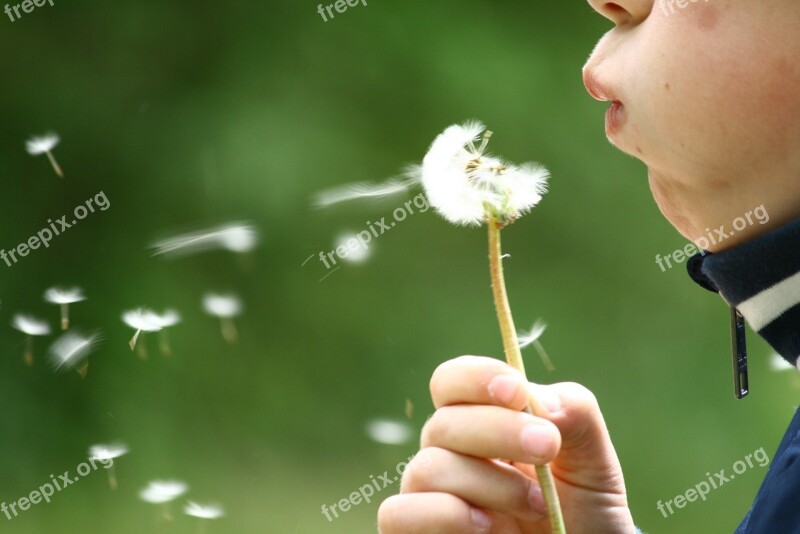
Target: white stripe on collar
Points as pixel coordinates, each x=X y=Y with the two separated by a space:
x=763 y=308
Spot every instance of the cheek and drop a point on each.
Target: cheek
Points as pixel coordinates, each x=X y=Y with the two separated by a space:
x=720 y=90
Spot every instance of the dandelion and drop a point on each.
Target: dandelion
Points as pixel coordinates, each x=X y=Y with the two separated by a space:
x=108 y=453
x=531 y=337
x=32 y=327
x=226 y=307
x=44 y=145
x=142 y=320
x=468 y=186
x=72 y=350
x=203 y=511
x=389 y=431
x=165 y=320
x=64 y=297
x=163 y=492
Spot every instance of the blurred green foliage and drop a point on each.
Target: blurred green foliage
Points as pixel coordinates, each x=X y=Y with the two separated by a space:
x=192 y=113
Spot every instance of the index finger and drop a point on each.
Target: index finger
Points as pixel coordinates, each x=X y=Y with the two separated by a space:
x=483 y=380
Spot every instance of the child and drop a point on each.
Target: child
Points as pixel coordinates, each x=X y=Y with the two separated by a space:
x=705 y=92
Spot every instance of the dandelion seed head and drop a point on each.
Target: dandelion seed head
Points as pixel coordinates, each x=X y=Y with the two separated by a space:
x=161 y=491
x=389 y=431
x=30 y=325
x=466 y=185
x=222 y=305
x=43 y=144
x=142 y=319
x=58 y=295
x=203 y=511
x=107 y=452
x=69 y=350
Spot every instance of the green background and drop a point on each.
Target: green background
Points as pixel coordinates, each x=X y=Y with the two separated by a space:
x=188 y=114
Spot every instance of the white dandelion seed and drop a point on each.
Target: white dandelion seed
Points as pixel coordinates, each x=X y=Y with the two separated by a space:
x=365 y=190
x=71 y=351
x=467 y=186
x=531 y=337
x=389 y=431
x=204 y=511
x=141 y=320
x=165 y=320
x=109 y=453
x=64 y=297
x=163 y=492
x=226 y=307
x=355 y=250
x=45 y=145
x=32 y=327
x=234 y=236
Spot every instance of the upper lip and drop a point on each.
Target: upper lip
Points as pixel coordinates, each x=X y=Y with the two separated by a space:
x=598 y=90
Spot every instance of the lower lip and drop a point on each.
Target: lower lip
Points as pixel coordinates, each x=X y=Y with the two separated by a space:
x=615 y=117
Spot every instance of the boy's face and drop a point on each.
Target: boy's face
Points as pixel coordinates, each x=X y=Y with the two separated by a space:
x=708 y=96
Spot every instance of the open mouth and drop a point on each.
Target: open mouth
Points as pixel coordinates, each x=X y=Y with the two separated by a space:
x=615 y=115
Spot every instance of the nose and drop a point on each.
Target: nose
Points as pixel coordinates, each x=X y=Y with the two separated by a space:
x=623 y=12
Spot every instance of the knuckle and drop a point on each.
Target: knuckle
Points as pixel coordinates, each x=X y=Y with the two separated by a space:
x=431 y=430
x=580 y=396
x=420 y=473
x=389 y=514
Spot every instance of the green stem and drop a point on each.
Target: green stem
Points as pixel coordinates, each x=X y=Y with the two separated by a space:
x=514 y=359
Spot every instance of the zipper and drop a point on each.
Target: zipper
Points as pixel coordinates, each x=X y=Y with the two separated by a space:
x=739 y=354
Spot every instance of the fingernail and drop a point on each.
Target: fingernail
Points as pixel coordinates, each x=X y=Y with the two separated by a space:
x=546 y=396
x=480 y=519
x=504 y=388
x=536 y=441
x=536 y=499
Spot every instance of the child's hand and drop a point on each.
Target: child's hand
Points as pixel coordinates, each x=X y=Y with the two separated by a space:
x=456 y=483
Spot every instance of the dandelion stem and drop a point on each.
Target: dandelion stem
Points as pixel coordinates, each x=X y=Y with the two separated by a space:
x=514 y=359
x=64 y=316
x=112 y=478
x=229 y=330
x=28 y=358
x=56 y=166
x=166 y=350
x=548 y=363
x=132 y=342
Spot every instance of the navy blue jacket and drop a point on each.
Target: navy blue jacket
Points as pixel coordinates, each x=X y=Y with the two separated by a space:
x=761 y=279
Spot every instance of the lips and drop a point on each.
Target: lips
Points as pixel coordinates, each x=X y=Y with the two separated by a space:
x=615 y=116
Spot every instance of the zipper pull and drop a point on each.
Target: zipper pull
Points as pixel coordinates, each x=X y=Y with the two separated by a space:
x=739 y=355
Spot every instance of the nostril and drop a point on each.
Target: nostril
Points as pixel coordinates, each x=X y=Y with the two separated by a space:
x=616 y=13
x=616 y=9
